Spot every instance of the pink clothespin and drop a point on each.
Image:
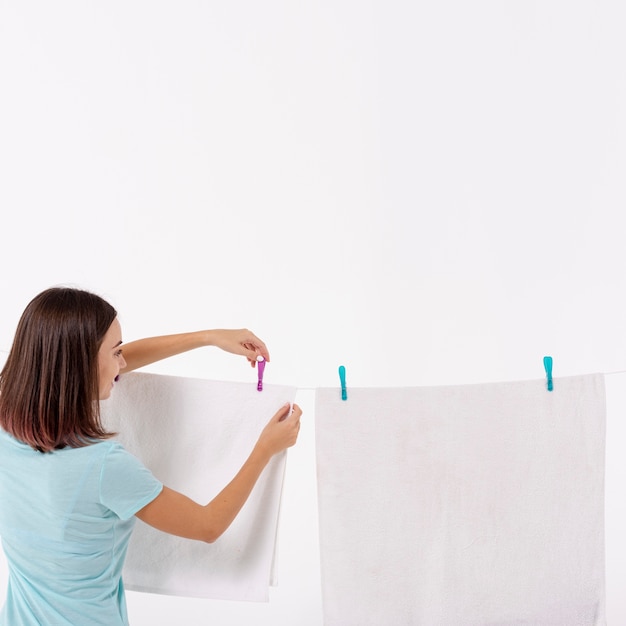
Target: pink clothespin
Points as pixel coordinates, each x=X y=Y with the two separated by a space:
x=260 y=369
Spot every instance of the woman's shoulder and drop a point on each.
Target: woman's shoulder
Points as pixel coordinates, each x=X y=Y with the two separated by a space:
x=103 y=448
x=101 y=456
x=8 y=440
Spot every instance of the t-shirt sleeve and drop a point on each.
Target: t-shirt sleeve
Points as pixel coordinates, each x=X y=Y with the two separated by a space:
x=126 y=485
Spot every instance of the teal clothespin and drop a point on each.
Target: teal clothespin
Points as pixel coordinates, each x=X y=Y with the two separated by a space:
x=547 y=364
x=342 y=378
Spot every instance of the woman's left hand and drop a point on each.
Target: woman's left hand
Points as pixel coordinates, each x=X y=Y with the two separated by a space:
x=243 y=342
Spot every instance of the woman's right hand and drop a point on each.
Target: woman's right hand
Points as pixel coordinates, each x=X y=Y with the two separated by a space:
x=281 y=431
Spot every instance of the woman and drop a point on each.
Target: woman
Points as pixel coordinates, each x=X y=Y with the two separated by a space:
x=69 y=494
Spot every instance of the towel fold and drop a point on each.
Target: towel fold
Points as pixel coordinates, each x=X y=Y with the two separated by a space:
x=194 y=435
x=468 y=505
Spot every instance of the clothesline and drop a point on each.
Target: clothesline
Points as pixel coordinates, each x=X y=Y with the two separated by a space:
x=315 y=388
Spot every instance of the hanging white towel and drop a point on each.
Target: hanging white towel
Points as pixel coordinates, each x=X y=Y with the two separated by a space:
x=194 y=435
x=471 y=505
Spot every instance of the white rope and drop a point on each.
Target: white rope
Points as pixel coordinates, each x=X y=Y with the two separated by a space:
x=315 y=388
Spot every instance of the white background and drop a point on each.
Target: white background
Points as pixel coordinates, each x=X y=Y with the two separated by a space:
x=425 y=192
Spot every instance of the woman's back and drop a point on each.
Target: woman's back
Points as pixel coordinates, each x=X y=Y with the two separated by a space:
x=65 y=521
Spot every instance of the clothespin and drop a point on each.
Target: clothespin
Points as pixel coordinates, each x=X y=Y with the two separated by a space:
x=547 y=364
x=260 y=369
x=342 y=378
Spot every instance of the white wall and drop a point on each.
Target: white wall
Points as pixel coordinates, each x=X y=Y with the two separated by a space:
x=427 y=193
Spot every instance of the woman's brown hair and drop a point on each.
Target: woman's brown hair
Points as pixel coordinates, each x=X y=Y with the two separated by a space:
x=49 y=383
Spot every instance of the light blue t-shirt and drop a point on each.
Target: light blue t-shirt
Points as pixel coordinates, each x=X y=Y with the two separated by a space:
x=65 y=522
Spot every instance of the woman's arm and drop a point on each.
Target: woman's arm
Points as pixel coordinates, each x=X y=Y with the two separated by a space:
x=145 y=351
x=175 y=513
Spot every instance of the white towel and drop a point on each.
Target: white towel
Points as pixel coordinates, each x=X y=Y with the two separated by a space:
x=194 y=435
x=467 y=505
